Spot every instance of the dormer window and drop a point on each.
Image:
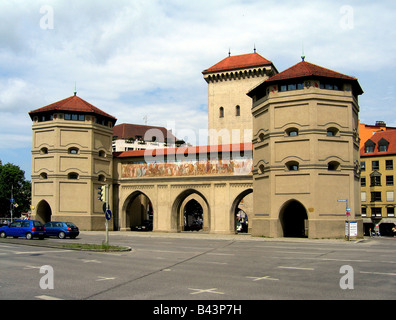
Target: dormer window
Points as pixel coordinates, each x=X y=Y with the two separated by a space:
x=383 y=145
x=369 y=146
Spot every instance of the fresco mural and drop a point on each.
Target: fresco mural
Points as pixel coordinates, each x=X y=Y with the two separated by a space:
x=188 y=168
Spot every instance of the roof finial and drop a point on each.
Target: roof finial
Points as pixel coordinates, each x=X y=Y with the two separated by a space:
x=229 y=52
x=303 y=55
x=75 y=88
x=254 y=48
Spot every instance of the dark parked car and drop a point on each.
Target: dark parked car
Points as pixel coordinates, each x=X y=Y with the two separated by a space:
x=23 y=228
x=147 y=225
x=61 y=229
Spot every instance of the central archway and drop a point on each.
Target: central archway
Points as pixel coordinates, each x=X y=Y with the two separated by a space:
x=294 y=219
x=185 y=200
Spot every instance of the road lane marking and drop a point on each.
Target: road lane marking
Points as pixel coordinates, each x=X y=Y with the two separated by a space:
x=262 y=278
x=380 y=273
x=104 y=278
x=295 y=268
x=198 y=291
x=44 y=297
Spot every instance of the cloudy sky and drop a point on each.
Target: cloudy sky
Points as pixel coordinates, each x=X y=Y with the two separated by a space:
x=137 y=58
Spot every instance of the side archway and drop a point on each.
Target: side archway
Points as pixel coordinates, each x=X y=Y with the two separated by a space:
x=240 y=209
x=137 y=213
x=294 y=219
x=43 y=212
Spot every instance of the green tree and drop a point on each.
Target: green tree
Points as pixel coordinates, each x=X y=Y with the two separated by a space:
x=12 y=179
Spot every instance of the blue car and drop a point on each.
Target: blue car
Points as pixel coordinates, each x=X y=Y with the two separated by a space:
x=23 y=228
x=61 y=229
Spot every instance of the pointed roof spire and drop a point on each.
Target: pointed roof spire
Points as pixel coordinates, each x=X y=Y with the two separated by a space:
x=303 y=55
x=75 y=88
x=254 y=48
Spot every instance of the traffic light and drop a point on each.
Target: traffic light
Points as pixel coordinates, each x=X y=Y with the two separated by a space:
x=103 y=193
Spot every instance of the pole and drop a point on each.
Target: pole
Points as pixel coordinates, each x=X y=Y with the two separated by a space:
x=107 y=208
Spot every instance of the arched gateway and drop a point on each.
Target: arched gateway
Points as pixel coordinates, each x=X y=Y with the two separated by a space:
x=204 y=191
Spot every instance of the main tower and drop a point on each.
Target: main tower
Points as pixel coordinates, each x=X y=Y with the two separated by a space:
x=229 y=109
x=306 y=153
x=71 y=158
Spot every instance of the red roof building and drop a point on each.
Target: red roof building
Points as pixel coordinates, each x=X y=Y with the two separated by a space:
x=242 y=61
x=73 y=104
x=137 y=131
x=303 y=71
x=381 y=143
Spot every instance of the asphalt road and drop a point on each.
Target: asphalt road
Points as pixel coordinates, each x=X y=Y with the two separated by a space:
x=193 y=266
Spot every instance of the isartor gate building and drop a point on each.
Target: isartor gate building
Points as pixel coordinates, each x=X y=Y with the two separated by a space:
x=283 y=148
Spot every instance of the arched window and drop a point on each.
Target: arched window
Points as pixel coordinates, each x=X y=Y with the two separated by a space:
x=292 y=132
x=333 y=165
x=237 y=111
x=101 y=178
x=73 y=176
x=332 y=132
x=221 y=112
x=44 y=150
x=43 y=176
x=292 y=166
x=261 y=169
x=102 y=154
x=73 y=150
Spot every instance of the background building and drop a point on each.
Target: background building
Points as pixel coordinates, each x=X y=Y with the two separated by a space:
x=378 y=160
x=130 y=137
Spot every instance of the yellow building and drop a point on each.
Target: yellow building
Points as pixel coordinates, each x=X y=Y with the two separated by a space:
x=378 y=161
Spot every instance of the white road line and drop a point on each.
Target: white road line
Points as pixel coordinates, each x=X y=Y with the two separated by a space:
x=295 y=268
x=44 y=297
x=380 y=273
x=262 y=278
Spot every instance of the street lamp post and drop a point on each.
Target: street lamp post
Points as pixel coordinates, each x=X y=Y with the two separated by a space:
x=348 y=213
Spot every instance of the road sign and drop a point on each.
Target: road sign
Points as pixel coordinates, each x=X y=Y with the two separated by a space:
x=108 y=214
x=12 y=200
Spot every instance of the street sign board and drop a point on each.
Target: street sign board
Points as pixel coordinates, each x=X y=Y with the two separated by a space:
x=108 y=214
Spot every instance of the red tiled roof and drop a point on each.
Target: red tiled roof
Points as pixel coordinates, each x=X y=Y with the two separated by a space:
x=306 y=69
x=72 y=104
x=389 y=136
x=239 y=62
x=127 y=130
x=186 y=150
